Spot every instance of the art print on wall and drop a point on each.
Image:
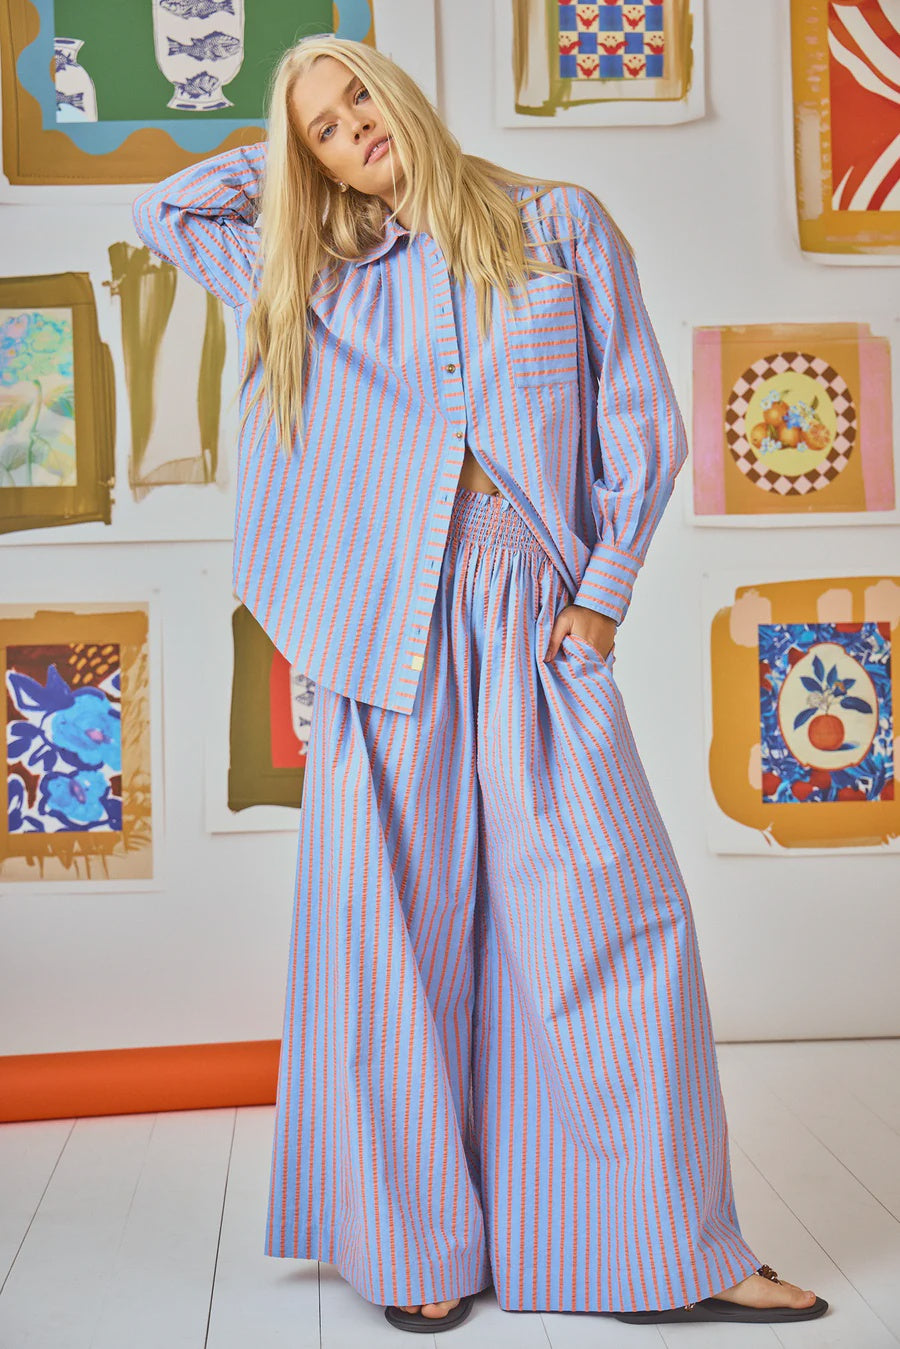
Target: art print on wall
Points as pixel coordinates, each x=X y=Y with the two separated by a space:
x=791 y=421
x=173 y=340
x=598 y=64
x=846 y=88
x=826 y=712
x=271 y=711
x=133 y=91
x=57 y=404
x=803 y=700
x=77 y=743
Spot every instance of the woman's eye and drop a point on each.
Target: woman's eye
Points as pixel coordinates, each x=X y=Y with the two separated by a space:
x=328 y=128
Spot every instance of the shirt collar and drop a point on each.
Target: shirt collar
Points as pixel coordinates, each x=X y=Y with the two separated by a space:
x=392 y=232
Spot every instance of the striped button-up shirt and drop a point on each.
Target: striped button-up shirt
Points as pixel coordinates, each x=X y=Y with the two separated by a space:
x=569 y=408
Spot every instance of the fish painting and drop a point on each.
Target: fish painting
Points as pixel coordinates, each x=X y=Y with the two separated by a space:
x=213 y=47
x=74 y=100
x=197 y=9
x=197 y=85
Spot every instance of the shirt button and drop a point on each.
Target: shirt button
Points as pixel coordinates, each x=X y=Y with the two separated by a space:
x=451 y=368
x=459 y=434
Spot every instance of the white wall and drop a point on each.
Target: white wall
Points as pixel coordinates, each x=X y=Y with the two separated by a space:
x=792 y=947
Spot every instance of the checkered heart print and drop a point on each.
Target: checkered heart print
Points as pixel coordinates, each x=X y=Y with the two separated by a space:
x=611 y=41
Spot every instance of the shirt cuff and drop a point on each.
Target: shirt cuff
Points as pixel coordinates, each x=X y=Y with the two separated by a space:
x=608 y=581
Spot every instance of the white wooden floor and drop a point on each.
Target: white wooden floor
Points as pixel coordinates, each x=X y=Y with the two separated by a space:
x=146 y=1231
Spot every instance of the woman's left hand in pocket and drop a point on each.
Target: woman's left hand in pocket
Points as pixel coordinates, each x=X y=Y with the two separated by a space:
x=598 y=630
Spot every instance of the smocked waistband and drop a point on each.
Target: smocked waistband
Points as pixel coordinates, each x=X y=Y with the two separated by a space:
x=490 y=519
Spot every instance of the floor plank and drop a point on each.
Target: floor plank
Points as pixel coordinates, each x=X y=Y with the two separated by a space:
x=123 y=1243
x=29 y=1152
x=859 y=1235
x=259 y=1300
x=861 y=1138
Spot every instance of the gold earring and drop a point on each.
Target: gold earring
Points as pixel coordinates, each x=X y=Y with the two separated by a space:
x=342 y=186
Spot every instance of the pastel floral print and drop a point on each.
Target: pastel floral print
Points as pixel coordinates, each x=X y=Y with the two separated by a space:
x=37 y=399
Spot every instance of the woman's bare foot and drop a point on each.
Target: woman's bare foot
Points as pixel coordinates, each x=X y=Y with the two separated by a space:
x=433 y=1309
x=758 y=1291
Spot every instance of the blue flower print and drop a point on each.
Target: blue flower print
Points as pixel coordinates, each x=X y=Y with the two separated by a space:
x=15 y=798
x=76 y=799
x=17 y=822
x=91 y=728
x=800 y=414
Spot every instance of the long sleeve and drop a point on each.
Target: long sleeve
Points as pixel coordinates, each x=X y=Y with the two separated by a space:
x=202 y=218
x=642 y=437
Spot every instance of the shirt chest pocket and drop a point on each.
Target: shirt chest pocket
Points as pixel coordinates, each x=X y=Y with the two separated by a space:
x=542 y=343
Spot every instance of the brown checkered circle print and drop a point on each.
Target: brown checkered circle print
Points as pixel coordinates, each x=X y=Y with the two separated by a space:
x=748 y=459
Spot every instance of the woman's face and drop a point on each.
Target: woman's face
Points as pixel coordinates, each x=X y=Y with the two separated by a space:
x=337 y=119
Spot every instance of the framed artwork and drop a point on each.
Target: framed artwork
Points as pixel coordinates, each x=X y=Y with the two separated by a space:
x=194 y=82
x=271 y=709
x=846 y=89
x=80 y=773
x=602 y=64
x=57 y=404
x=173 y=341
x=259 y=714
x=792 y=423
x=802 y=707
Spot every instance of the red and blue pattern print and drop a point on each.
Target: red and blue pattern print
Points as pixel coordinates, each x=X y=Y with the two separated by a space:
x=825 y=712
x=611 y=41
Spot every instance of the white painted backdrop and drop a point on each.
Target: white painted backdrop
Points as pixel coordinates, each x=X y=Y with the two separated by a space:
x=791 y=947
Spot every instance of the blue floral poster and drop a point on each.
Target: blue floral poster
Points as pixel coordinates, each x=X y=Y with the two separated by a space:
x=64 y=738
x=78 y=757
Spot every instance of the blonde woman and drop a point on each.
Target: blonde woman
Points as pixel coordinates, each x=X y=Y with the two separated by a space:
x=458 y=436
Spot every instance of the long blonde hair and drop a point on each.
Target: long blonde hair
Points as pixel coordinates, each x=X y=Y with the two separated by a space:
x=308 y=225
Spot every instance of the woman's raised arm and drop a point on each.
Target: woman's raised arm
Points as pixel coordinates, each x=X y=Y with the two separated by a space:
x=202 y=219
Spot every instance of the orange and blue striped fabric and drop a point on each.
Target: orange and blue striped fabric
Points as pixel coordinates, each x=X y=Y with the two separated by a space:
x=497 y=1061
x=567 y=404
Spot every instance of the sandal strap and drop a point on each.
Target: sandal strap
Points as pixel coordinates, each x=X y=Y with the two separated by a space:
x=766 y=1270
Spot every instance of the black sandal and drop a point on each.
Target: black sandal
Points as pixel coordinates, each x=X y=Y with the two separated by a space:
x=720 y=1309
x=430 y=1324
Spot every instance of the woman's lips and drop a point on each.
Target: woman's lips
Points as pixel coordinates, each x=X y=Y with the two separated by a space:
x=380 y=150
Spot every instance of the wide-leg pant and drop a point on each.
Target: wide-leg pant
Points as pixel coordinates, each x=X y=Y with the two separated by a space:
x=498 y=1062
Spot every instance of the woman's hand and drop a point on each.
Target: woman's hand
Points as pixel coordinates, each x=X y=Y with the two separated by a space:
x=598 y=630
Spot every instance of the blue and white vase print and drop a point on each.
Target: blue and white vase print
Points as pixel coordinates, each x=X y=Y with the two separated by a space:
x=76 y=97
x=199 y=47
